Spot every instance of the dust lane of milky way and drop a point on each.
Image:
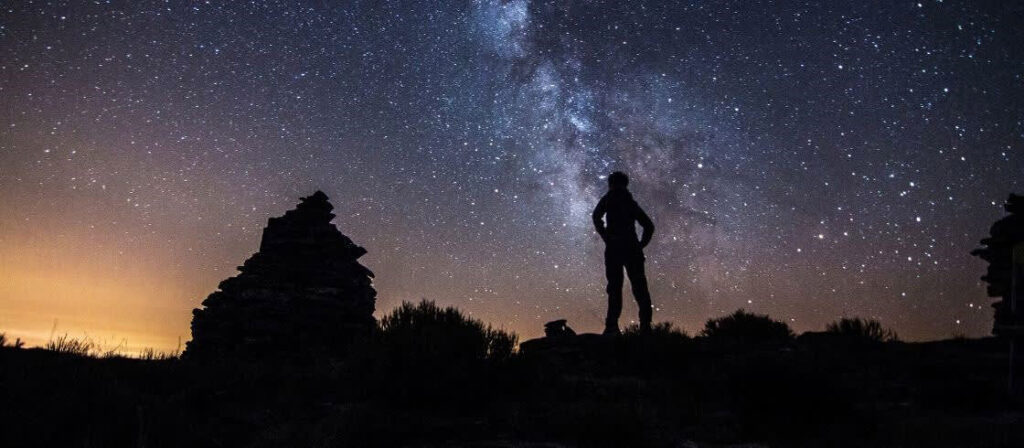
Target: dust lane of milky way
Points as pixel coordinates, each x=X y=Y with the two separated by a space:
x=804 y=160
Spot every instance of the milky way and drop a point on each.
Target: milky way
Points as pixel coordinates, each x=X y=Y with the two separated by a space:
x=804 y=160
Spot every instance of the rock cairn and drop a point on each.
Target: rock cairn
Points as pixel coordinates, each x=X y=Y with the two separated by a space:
x=303 y=294
x=1005 y=237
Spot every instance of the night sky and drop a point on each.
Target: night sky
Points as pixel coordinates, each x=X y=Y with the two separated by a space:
x=808 y=160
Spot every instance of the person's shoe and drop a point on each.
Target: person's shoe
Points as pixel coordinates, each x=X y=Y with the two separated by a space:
x=611 y=331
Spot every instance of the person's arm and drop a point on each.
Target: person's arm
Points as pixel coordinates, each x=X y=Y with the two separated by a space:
x=647 y=224
x=598 y=216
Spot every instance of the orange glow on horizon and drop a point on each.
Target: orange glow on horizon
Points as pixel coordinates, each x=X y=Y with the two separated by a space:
x=44 y=296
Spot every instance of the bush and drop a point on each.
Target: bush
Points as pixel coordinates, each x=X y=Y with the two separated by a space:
x=861 y=329
x=426 y=330
x=743 y=327
x=665 y=349
x=428 y=354
x=660 y=330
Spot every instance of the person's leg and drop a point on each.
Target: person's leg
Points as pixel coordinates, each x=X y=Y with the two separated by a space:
x=638 y=282
x=613 y=271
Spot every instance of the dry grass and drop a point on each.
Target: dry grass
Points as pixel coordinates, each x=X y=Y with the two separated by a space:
x=73 y=346
x=18 y=343
x=87 y=347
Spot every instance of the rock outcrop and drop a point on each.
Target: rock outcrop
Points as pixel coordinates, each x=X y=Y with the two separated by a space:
x=304 y=294
x=558 y=328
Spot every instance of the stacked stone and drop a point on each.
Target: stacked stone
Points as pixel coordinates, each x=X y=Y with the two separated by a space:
x=1006 y=235
x=303 y=294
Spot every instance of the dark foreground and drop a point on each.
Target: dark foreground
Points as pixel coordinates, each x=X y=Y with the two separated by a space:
x=661 y=390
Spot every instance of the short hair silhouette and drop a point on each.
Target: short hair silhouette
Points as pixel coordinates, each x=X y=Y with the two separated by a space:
x=618 y=179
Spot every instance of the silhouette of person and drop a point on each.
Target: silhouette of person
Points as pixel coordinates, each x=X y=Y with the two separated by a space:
x=620 y=214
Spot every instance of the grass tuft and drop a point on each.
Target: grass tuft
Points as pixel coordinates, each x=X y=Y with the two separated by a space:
x=862 y=329
x=73 y=346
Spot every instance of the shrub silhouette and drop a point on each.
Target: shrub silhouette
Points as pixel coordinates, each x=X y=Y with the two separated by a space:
x=743 y=327
x=664 y=349
x=661 y=331
x=425 y=353
x=426 y=330
x=861 y=329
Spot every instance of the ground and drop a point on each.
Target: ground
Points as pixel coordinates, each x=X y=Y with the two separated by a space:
x=662 y=390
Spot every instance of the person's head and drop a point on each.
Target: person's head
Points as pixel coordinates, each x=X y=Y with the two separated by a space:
x=618 y=180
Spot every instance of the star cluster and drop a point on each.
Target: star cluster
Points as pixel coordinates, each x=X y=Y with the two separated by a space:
x=802 y=159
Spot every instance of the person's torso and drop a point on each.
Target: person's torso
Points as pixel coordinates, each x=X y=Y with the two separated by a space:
x=620 y=217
